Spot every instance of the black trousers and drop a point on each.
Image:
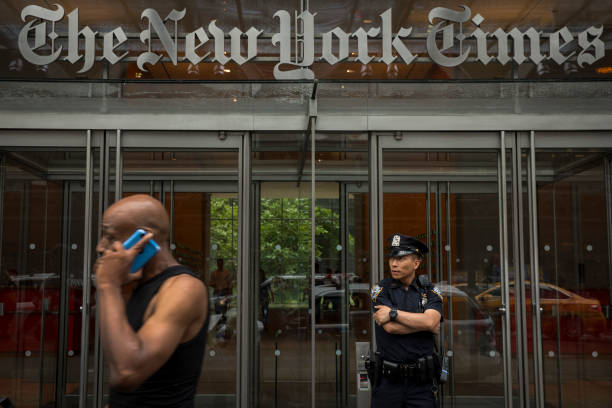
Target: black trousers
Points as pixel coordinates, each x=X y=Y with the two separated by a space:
x=402 y=394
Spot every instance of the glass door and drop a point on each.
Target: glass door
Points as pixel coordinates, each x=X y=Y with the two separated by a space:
x=450 y=200
x=42 y=213
x=196 y=177
x=575 y=275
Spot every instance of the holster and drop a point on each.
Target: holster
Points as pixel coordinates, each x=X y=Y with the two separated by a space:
x=373 y=364
x=440 y=368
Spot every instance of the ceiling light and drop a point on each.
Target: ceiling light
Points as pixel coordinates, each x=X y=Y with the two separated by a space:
x=348 y=71
x=227 y=70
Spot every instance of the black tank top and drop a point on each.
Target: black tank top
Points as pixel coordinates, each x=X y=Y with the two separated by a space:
x=174 y=384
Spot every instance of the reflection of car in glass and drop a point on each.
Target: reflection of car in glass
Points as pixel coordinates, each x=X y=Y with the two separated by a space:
x=577 y=315
x=328 y=307
x=473 y=328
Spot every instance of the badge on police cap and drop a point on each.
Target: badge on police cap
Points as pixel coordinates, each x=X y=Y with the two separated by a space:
x=374 y=292
x=396 y=241
x=401 y=245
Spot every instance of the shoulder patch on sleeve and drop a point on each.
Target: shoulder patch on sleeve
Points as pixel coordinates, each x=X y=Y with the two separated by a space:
x=438 y=292
x=375 y=291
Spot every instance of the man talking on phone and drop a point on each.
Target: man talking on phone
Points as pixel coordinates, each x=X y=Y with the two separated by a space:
x=153 y=322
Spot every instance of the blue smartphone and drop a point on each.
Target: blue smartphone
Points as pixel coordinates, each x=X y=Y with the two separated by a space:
x=147 y=253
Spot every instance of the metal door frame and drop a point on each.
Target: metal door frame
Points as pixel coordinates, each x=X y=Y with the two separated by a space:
x=443 y=141
x=171 y=140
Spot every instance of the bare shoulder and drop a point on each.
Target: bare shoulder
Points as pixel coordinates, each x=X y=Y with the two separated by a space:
x=182 y=293
x=184 y=283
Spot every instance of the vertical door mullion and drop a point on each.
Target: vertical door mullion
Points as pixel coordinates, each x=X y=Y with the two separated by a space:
x=503 y=240
x=557 y=314
x=246 y=318
x=376 y=217
x=449 y=274
x=254 y=230
x=519 y=275
x=118 y=167
x=103 y=202
x=86 y=274
x=535 y=278
x=608 y=189
x=428 y=223
x=312 y=260
x=344 y=253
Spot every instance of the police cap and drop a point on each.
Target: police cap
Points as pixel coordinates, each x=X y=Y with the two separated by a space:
x=401 y=245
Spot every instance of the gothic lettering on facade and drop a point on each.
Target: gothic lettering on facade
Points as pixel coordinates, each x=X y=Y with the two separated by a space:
x=449 y=42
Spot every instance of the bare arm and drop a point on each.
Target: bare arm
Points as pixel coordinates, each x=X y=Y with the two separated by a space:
x=398 y=328
x=407 y=322
x=135 y=356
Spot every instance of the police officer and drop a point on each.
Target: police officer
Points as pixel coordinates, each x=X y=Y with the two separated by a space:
x=408 y=312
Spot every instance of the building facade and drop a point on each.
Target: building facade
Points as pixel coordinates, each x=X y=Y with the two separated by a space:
x=289 y=139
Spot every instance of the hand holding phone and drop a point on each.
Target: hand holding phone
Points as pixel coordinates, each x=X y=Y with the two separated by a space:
x=147 y=252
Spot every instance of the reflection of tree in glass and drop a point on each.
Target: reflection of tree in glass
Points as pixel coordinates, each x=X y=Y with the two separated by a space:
x=284 y=238
x=224 y=231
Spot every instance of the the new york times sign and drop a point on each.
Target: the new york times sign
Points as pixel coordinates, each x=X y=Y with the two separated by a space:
x=445 y=42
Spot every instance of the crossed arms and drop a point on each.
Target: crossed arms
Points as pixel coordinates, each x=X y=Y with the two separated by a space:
x=407 y=322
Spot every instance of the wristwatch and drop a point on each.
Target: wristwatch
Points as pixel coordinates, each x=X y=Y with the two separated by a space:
x=392 y=314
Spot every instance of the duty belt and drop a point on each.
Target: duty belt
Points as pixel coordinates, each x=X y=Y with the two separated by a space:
x=422 y=370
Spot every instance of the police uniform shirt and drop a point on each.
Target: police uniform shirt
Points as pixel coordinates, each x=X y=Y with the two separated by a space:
x=402 y=348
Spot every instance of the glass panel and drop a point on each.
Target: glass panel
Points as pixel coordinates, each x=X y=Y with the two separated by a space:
x=283 y=259
x=342 y=307
x=205 y=238
x=575 y=276
x=464 y=258
x=35 y=256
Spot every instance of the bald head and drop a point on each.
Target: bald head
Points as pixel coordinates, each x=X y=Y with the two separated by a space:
x=137 y=211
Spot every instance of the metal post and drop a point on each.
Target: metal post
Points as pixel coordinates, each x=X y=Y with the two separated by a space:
x=449 y=274
x=557 y=314
x=118 y=167
x=376 y=188
x=255 y=248
x=535 y=276
x=312 y=259
x=503 y=248
x=62 y=340
x=344 y=345
x=246 y=318
x=172 y=212
x=44 y=302
x=2 y=187
x=608 y=185
x=519 y=278
x=103 y=202
x=428 y=222
x=86 y=275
